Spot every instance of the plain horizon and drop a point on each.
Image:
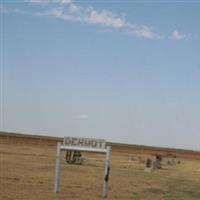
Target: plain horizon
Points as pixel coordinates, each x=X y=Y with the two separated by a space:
x=126 y=72
x=112 y=142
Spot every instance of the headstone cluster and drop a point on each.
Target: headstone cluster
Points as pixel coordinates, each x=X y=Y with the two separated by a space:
x=155 y=164
x=173 y=162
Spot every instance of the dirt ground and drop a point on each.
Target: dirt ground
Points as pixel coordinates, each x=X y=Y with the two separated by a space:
x=27 y=173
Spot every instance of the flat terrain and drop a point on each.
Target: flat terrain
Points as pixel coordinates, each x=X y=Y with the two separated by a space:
x=27 y=173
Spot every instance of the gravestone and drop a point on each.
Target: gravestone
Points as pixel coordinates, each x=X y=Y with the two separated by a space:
x=148 y=165
x=173 y=162
x=169 y=162
x=156 y=164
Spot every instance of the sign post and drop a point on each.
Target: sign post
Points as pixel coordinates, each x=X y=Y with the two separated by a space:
x=57 y=169
x=83 y=145
x=106 y=173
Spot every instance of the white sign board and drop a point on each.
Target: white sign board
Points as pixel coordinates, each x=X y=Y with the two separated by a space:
x=85 y=142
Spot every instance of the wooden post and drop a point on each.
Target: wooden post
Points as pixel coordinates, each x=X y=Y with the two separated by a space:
x=106 y=173
x=57 y=169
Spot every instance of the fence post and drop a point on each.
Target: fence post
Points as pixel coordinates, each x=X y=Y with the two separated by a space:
x=57 y=169
x=106 y=173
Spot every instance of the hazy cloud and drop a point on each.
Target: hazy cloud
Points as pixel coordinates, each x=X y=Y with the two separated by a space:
x=108 y=20
x=49 y=1
x=82 y=116
x=65 y=1
x=68 y=10
x=38 y=1
x=177 y=35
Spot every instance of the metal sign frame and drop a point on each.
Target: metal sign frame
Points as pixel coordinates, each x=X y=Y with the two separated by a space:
x=83 y=148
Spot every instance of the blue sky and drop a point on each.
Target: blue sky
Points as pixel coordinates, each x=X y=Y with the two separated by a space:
x=127 y=71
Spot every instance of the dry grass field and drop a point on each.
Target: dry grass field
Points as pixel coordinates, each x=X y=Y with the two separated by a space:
x=27 y=173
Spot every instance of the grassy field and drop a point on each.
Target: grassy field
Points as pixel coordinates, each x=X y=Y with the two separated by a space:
x=27 y=172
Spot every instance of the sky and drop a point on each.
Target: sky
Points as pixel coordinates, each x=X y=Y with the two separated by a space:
x=125 y=71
